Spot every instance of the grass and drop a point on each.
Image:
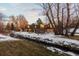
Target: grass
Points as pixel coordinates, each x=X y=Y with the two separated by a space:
x=24 y=48
x=76 y=37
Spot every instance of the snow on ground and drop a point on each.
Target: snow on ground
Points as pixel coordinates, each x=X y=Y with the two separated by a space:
x=76 y=33
x=49 y=38
x=52 y=39
x=6 y=38
x=54 y=49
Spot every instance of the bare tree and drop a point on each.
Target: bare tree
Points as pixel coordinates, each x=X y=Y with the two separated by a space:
x=77 y=18
x=1 y=23
x=58 y=19
x=62 y=21
x=58 y=13
x=49 y=13
x=46 y=8
x=68 y=18
x=63 y=14
x=22 y=23
x=52 y=18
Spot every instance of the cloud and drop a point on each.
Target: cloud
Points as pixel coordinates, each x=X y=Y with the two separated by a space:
x=33 y=15
x=31 y=11
x=2 y=10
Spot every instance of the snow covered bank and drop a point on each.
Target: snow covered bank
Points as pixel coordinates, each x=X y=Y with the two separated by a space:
x=76 y=33
x=6 y=38
x=57 y=50
x=49 y=38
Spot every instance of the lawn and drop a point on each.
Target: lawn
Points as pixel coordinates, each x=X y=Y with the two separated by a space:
x=24 y=48
x=76 y=37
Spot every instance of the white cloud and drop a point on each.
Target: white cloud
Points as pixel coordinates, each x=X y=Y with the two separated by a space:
x=33 y=15
x=31 y=11
x=2 y=10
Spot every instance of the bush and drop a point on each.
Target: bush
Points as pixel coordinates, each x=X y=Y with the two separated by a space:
x=1 y=26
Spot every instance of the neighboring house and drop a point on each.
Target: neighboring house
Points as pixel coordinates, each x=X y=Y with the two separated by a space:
x=48 y=28
x=42 y=28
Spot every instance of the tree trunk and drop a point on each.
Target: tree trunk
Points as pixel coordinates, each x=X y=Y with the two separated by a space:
x=76 y=27
x=51 y=24
x=68 y=17
x=59 y=26
x=52 y=16
x=62 y=22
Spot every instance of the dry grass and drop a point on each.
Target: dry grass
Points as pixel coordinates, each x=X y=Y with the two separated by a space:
x=23 y=48
x=76 y=37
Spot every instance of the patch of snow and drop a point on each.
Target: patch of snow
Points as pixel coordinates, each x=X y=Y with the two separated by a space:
x=52 y=39
x=49 y=38
x=53 y=49
x=6 y=38
x=77 y=31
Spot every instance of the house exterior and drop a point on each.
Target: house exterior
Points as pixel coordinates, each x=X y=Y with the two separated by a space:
x=42 y=28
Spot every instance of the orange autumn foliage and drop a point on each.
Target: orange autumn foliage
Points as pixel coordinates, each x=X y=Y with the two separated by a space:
x=17 y=24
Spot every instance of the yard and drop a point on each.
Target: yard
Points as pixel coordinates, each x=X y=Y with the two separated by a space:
x=24 y=48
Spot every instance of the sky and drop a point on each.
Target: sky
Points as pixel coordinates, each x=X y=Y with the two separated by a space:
x=30 y=10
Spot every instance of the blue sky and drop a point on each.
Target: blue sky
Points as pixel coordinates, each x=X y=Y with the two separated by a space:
x=30 y=10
